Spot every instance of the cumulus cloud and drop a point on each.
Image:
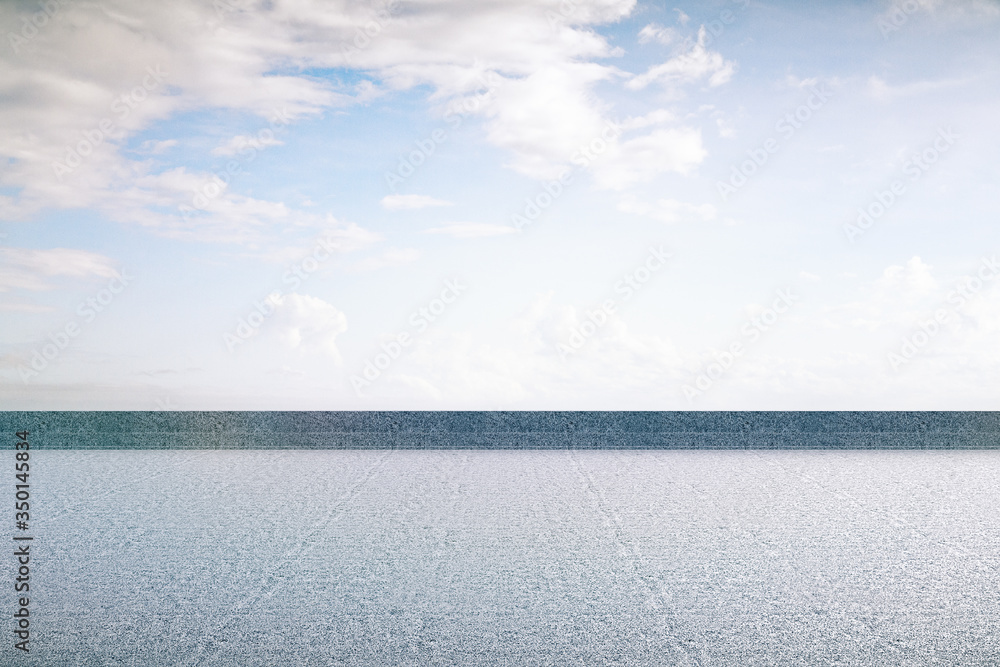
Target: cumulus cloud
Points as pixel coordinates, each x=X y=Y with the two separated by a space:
x=544 y=118
x=69 y=93
x=899 y=295
x=911 y=281
x=305 y=324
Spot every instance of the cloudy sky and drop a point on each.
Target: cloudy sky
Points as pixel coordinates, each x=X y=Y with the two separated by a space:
x=505 y=204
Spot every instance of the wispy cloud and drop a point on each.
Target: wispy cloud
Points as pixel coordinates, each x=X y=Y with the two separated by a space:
x=27 y=268
x=883 y=91
x=390 y=257
x=697 y=63
x=667 y=210
x=244 y=141
x=154 y=147
x=410 y=202
x=471 y=230
x=658 y=33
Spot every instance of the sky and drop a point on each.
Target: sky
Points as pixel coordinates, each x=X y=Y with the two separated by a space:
x=505 y=204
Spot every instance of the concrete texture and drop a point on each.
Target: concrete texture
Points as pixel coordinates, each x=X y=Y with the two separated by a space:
x=465 y=557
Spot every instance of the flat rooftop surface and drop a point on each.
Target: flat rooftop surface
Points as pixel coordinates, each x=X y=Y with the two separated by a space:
x=463 y=557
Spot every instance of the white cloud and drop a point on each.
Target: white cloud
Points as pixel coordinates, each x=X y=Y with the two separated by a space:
x=408 y=202
x=667 y=210
x=657 y=33
x=727 y=129
x=27 y=268
x=390 y=257
x=803 y=363
x=243 y=141
x=154 y=147
x=343 y=237
x=248 y=61
x=896 y=298
x=471 y=230
x=639 y=159
x=885 y=92
x=155 y=200
x=795 y=82
x=912 y=281
x=306 y=325
x=655 y=117
x=806 y=361
x=518 y=364
x=696 y=64
x=545 y=118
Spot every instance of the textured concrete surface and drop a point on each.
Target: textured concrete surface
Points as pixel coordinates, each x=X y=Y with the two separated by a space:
x=514 y=558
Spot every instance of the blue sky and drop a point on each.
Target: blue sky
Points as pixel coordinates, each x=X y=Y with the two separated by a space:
x=237 y=159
